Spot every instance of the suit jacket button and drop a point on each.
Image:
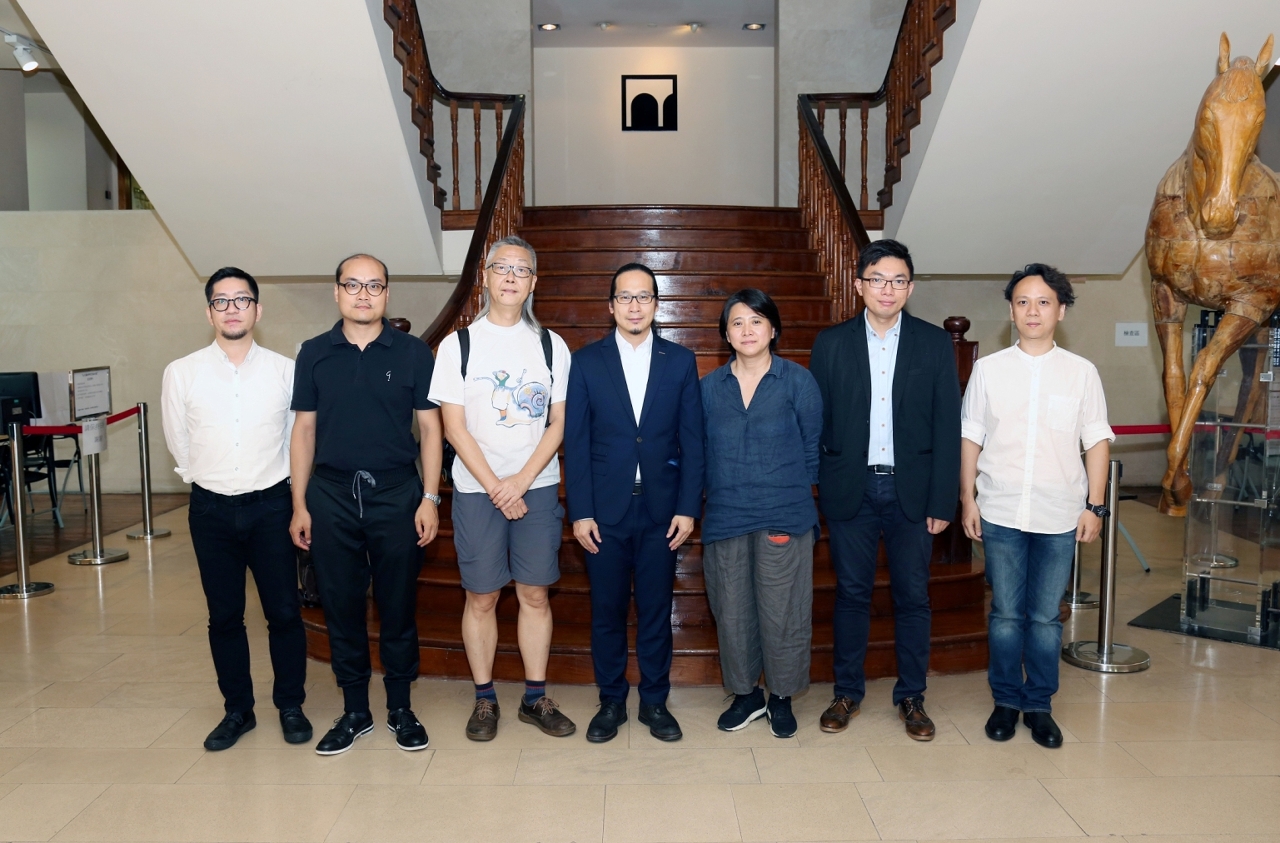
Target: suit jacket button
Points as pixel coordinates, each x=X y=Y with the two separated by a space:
x=639 y=438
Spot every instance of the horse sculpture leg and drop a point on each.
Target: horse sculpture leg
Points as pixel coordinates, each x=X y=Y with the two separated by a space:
x=1170 y=312
x=1232 y=333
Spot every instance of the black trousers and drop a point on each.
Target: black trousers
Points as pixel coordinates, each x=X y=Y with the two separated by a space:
x=231 y=533
x=362 y=533
x=634 y=549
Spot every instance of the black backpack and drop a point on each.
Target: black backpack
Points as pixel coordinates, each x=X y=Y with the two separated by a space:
x=464 y=349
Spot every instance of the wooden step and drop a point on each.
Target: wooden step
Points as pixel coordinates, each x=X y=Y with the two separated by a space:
x=698 y=337
x=584 y=310
x=608 y=260
x=662 y=215
x=664 y=237
x=710 y=283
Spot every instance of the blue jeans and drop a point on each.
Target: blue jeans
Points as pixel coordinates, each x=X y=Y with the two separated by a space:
x=1028 y=575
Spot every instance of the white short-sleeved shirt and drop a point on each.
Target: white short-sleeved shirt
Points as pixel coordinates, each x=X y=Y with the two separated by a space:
x=506 y=397
x=1032 y=415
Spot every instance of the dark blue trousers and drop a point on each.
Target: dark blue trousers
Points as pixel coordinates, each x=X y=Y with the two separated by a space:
x=854 y=547
x=633 y=549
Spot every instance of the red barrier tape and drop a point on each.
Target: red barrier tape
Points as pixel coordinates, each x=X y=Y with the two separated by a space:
x=1138 y=429
x=71 y=429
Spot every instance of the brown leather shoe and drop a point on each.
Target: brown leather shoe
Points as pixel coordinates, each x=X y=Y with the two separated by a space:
x=919 y=726
x=482 y=725
x=836 y=717
x=545 y=714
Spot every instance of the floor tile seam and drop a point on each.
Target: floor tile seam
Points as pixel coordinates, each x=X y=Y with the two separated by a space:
x=88 y=805
x=1260 y=711
x=338 y=816
x=1062 y=807
x=1141 y=763
x=865 y=807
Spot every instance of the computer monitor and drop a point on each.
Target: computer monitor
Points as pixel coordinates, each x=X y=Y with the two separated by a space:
x=24 y=386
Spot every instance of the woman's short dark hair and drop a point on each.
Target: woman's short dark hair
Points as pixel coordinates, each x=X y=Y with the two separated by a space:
x=1055 y=279
x=230 y=272
x=759 y=302
x=632 y=267
x=878 y=250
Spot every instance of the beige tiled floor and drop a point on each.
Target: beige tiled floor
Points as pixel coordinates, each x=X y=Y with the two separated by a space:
x=107 y=692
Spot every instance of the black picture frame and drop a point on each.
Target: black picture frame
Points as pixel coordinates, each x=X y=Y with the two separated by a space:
x=655 y=117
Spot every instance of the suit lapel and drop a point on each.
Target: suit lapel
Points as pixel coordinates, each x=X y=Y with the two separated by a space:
x=613 y=363
x=906 y=349
x=657 y=367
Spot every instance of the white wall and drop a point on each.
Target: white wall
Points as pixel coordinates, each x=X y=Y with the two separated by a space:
x=13 y=143
x=55 y=153
x=723 y=152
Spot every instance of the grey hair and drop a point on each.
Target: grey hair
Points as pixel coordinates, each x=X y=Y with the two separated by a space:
x=526 y=313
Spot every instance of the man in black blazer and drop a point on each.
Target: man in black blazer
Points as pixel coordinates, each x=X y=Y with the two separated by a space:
x=633 y=473
x=889 y=467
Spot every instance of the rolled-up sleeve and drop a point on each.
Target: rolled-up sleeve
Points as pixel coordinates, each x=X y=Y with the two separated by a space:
x=973 y=411
x=1093 y=413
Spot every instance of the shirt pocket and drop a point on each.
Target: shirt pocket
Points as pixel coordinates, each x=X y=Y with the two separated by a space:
x=1064 y=413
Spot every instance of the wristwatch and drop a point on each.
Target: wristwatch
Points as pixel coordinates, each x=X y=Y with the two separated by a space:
x=435 y=499
x=1099 y=510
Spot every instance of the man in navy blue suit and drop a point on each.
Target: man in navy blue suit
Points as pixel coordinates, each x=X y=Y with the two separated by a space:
x=633 y=472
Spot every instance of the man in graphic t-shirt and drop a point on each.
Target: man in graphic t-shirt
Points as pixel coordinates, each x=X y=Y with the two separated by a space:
x=505 y=418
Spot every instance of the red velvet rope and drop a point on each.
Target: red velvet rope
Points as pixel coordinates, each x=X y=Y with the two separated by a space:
x=71 y=429
x=1138 y=429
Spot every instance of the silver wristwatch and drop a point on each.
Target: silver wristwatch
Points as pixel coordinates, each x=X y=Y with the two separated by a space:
x=435 y=499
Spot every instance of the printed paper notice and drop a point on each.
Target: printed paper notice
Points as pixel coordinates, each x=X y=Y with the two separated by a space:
x=91 y=392
x=93 y=436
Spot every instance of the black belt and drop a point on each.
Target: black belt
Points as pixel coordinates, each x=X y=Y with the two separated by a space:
x=637 y=489
x=277 y=491
x=880 y=469
x=389 y=476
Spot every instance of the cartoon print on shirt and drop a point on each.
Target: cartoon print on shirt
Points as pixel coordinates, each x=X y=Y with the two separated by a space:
x=519 y=402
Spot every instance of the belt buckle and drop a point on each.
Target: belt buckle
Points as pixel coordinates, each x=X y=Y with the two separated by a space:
x=877 y=469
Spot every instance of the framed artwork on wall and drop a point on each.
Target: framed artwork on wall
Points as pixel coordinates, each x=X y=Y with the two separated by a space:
x=649 y=103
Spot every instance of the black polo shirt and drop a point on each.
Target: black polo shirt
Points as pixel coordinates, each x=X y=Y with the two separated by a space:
x=363 y=400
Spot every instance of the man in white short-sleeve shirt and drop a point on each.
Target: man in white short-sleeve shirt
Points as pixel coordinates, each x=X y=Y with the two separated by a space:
x=1027 y=413
x=505 y=419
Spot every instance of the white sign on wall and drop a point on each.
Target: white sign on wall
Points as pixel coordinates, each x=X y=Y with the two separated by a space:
x=1131 y=334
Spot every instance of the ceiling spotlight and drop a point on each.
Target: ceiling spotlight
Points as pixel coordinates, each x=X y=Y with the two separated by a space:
x=694 y=27
x=548 y=27
x=754 y=27
x=22 y=48
x=604 y=24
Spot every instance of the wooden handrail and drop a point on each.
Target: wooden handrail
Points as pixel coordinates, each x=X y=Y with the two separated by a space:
x=500 y=215
x=907 y=81
x=835 y=230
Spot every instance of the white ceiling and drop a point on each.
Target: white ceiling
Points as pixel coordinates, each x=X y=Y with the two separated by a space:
x=654 y=23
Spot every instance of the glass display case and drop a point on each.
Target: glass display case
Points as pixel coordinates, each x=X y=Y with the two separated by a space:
x=1232 y=559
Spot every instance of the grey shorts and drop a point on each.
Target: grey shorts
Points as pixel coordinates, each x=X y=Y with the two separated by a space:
x=493 y=551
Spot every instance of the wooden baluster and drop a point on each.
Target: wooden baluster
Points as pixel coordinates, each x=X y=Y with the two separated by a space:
x=497 y=123
x=862 y=202
x=475 y=113
x=822 y=114
x=453 y=123
x=844 y=105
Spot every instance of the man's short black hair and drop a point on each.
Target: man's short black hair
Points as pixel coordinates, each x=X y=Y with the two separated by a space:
x=881 y=249
x=632 y=267
x=230 y=272
x=759 y=302
x=337 y=273
x=1055 y=279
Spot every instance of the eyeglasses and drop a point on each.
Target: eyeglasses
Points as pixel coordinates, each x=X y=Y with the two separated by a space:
x=878 y=283
x=504 y=269
x=241 y=303
x=353 y=288
x=627 y=298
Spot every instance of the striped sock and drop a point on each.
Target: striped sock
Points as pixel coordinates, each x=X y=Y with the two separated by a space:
x=486 y=692
x=534 y=691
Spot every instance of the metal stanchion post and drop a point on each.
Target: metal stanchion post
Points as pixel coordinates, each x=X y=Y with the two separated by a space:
x=98 y=555
x=148 y=531
x=1105 y=655
x=1076 y=598
x=24 y=587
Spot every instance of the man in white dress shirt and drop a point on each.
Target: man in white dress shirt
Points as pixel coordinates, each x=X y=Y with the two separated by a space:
x=1027 y=412
x=227 y=423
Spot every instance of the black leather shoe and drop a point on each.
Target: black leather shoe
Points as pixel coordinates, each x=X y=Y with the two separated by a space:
x=410 y=734
x=1043 y=730
x=226 y=733
x=660 y=722
x=1002 y=723
x=295 y=725
x=346 y=729
x=604 y=726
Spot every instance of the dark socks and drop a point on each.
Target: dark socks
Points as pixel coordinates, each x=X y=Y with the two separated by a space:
x=534 y=691
x=486 y=692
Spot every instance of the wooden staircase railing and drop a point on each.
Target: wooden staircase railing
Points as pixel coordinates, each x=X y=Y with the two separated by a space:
x=499 y=205
x=906 y=82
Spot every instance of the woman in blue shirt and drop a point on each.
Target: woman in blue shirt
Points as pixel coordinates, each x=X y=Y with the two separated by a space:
x=763 y=419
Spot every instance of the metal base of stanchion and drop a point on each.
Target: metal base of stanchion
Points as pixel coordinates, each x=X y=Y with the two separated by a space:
x=142 y=535
x=1081 y=600
x=86 y=557
x=33 y=589
x=1122 y=659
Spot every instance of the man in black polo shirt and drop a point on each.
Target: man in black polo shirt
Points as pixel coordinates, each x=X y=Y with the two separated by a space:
x=364 y=514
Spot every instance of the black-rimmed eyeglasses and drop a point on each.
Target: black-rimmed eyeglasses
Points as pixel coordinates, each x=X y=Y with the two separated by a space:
x=627 y=298
x=241 y=303
x=896 y=283
x=353 y=288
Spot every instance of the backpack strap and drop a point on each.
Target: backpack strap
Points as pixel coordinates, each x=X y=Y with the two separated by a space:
x=547 y=355
x=464 y=347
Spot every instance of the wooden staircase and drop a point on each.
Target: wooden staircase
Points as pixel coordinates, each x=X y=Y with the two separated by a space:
x=700 y=256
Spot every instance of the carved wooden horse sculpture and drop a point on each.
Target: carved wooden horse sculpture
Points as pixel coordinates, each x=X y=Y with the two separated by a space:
x=1213 y=239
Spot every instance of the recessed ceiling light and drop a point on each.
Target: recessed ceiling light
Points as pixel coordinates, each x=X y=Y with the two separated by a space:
x=754 y=27
x=604 y=25
x=548 y=27
x=694 y=26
